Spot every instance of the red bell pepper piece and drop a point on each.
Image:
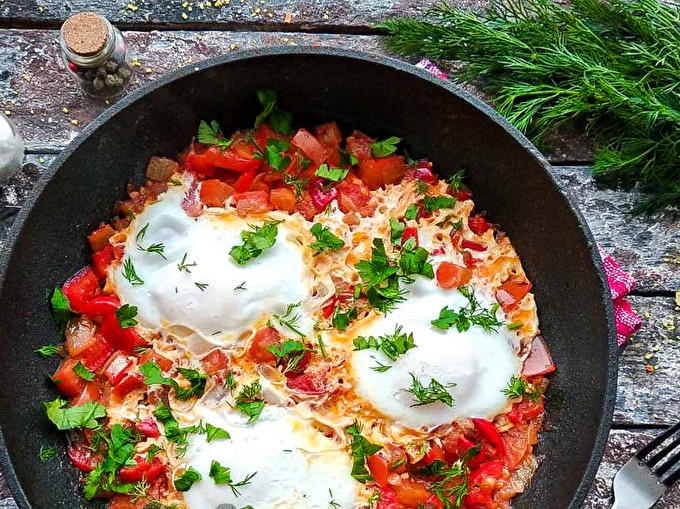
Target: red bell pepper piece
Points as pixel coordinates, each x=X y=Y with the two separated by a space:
x=492 y=469
x=434 y=453
x=81 y=287
x=231 y=160
x=309 y=383
x=96 y=355
x=101 y=305
x=117 y=368
x=488 y=431
x=82 y=457
x=470 y=244
x=329 y=308
x=148 y=427
x=524 y=411
x=197 y=163
x=511 y=292
x=68 y=383
x=478 y=224
x=242 y=184
x=478 y=499
x=122 y=339
x=143 y=469
x=101 y=261
x=410 y=232
x=129 y=383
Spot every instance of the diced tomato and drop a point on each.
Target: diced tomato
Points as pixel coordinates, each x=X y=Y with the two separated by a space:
x=123 y=502
x=359 y=145
x=470 y=244
x=148 y=427
x=434 y=501
x=259 y=183
x=329 y=135
x=91 y=392
x=101 y=261
x=525 y=410
x=151 y=356
x=231 y=159
x=82 y=287
x=378 y=173
x=322 y=198
x=122 y=339
x=411 y=493
x=143 y=469
x=117 y=367
x=539 y=361
x=264 y=132
x=468 y=259
x=511 y=292
x=197 y=163
x=99 y=239
x=460 y=194
x=97 y=353
x=68 y=383
x=478 y=224
x=82 y=457
x=305 y=206
x=410 y=232
x=215 y=362
x=305 y=141
x=516 y=445
x=243 y=183
x=214 y=192
x=379 y=468
x=313 y=383
x=423 y=172
x=478 y=499
x=488 y=431
x=354 y=196
x=491 y=469
x=131 y=382
x=252 y=202
x=450 y=275
x=329 y=307
x=282 y=199
x=264 y=338
x=101 y=305
x=434 y=453
x=455 y=445
x=301 y=366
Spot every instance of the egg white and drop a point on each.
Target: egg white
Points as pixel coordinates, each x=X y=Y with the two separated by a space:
x=479 y=363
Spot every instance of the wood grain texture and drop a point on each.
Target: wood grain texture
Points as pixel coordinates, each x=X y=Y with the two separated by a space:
x=35 y=87
x=622 y=445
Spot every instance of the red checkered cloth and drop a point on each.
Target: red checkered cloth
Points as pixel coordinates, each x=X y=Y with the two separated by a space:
x=620 y=282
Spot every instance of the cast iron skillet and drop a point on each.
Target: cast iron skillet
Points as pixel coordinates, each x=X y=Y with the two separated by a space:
x=377 y=95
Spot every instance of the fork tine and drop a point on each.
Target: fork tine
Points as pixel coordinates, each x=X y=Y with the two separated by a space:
x=674 y=460
x=656 y=442
x=662 y=453
x=668 y=481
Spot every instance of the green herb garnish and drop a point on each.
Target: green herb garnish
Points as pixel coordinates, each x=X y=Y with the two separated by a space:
x=250 y=401
x=61 y=308
x=273 y=152
x=222 y=475
x=130 y=274
x=215 y=433
x=185 y=266
x=279 y=119
x=332 y=174
x=411 y=212
x=341 y=319
x=291 y=318
x=153 y=375
x=434 y=392
x=185 y=481
x=386 y=147
x=75 y=417
x=46 y=453
x=289 y=354
x=325 y=240
x=518 y=387
x=432 y=203
x=472 y=314
x=126 y=316
x=392 y=345
x=211 y=134
x=48 y=350
x=361 y=450
x=255 y=242
x=84 y=373
x=118 y=449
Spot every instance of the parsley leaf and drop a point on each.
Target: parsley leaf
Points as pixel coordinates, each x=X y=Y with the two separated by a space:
x=255 y=242
x=289 y=354
x=61 y=308
x=222 y=475
x=471 y=314
x=413 y=260
x=83 y=372
x=518 y=387
x=279 y=119
x=48 y=350
x=342 y=320
x=211 y=134
x=273 y=151
x=332 y=174
x=126 y=316
x=250 y=401
x=385 y=147
x=380 y=279
x=153 y=375
x=325 y=240
x=430 y=394
x=361 y=450
x=119 y=449
x=432 y=203
x=392 y=345
x=215 y=433
x=79 y=416
x=171 y=427
x=411 y=212
x=185 y=481
x=396 y=230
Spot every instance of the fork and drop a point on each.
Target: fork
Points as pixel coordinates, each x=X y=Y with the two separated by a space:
x=640 y=483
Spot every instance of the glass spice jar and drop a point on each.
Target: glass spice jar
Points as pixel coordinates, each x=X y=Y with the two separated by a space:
x=95 y=54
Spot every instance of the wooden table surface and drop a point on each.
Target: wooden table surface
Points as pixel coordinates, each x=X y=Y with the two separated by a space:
x=166 y=34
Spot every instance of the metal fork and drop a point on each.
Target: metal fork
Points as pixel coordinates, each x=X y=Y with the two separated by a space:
x=640 y=483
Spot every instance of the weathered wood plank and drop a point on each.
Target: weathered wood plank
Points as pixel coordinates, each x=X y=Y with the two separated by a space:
x=646 y=246
x=622 y=445
x=35 y=88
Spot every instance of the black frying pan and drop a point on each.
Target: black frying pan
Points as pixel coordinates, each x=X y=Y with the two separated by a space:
x=377 y=95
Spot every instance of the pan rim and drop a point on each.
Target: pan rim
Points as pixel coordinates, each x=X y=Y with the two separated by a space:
x=609 y=395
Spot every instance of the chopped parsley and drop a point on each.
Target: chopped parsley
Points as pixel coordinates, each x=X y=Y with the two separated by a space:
x=289 y=354
x=434 y=392
x=341 y=320
x=211 y=134
x=411 y=212
x=453 y=483
x=185 y=481
x=361 y=450
x=171 y=427
x=273 y=153
x=385 y=147
x=130 y=274
x=279 y=119
x=332 y=174
x=75 y=417
x=83 y=372
x=515 y=325
x=392 y=345
x=396 y=230
x=118 y=452
x=215 y=433
x=153 y=375
x=413 y=261
x=222 y=475
x=325 y=240
x=255 y=242
x=48 y=350
x=250 y=401
x=432 y=203
x=61 y=308
x=126 y=316
x=472 y=314
x=518 y=387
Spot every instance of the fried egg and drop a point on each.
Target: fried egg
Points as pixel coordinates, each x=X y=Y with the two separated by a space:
x=188 y=285
x=474 y=366
x=292 y=464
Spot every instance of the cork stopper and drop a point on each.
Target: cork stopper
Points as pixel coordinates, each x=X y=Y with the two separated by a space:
x=85 y=33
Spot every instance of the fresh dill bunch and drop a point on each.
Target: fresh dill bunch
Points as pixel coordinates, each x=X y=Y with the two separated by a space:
x=613 y=65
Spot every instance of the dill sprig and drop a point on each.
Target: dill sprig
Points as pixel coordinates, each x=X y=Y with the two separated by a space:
x=434 y=392
x=612 y=65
